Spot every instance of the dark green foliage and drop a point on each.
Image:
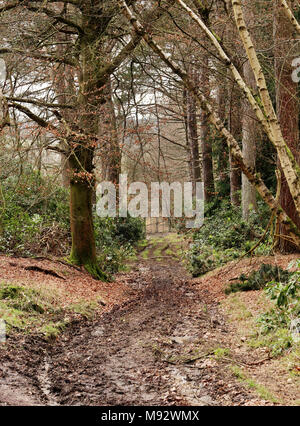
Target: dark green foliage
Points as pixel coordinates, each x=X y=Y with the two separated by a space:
x=36 y=195
x=257 y=280
x=34 y=211
x=130 y=229
x=115 y=238
x=225 y=228
x=224 y=236
x=34 y=219
x=286 y=297
x=119 y=230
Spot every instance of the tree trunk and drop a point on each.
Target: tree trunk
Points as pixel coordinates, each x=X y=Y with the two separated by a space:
x=222 y=153
x=110 y=150
x=235 y=130
x=287 y=104
x=83 y=251
x=193 y=140
x=187 y=133
x=63 y=82
x=81 y=223
x=206 y=143
x=288 y=162
x=82 y=179
x=250 y=131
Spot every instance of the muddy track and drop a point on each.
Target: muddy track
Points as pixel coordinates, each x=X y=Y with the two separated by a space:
x=152 y=350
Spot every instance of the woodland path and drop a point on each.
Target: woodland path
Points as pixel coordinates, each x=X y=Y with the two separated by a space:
x=155 y=349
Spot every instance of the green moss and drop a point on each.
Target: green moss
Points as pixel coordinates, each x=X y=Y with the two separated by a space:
x=94 y=270
x=53 y=329
x=12 y=317
x=85 y=308
x=23 y=308
x=29 y=310
x=22 y=299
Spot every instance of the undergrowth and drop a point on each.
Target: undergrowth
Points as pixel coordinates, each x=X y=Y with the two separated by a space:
x=225 y=236
x=34 y=220
x=257 y=280
x=285 y=313
x=278 y=328
x=34 y=215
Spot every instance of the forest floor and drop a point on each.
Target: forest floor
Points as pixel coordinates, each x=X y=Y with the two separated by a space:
x=154 y=336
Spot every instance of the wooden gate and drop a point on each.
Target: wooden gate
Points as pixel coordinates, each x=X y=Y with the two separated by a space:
x=158 y=225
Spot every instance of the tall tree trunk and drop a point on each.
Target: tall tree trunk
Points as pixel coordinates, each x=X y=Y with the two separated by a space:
x=222 y=154
x=110 y=151
x=235 y=129
x=187 y=133
x=63 y=81
x=287 y=105
x=250 y=131
x=234 y=121
x=82 y=179
x=193 y=139
x=206 y=144
x=83 y=251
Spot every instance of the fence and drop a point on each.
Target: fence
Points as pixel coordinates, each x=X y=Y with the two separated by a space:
x=158 y=225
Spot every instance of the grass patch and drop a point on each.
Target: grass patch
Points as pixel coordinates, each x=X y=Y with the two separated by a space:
x=292 y=361
x=220 y=353
x=158 y=252
x=277 y=341
x=145 y=254
x=53 y=329
x=260 y=390
x=237 y=309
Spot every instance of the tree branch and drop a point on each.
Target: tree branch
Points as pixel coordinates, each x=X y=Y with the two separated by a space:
x=289 y=14
x=57 y=17
x=287 y=160
x=10 y=6
x=39 y=120
x=36 y=55
x=40 y=103
x=132 y=44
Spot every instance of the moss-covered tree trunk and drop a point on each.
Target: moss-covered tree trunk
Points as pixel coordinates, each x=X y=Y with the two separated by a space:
x=83 y=143
x=83 y=251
